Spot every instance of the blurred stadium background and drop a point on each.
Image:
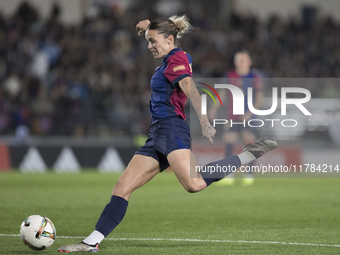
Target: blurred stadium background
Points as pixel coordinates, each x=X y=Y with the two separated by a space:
x=74 y=75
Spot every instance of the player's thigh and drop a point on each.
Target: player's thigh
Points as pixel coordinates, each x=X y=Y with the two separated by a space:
x=140 y=170
x=183 y=163
x=230 y=137
x=248 y=136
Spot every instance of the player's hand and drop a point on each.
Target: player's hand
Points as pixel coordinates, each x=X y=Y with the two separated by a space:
x=208 y=132
x=142 y=26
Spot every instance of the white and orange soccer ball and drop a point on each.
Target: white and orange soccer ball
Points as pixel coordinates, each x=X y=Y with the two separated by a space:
x=37 y=232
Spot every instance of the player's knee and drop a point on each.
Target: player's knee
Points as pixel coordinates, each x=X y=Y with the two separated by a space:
x=248 y=136
x=230 y=138
x=191 y=189
x=194 y=187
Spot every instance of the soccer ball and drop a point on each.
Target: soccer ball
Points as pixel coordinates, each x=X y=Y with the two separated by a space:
x=37 y=232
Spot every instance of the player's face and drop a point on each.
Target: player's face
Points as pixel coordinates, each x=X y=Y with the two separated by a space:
x=159 y=46
x=242 y=61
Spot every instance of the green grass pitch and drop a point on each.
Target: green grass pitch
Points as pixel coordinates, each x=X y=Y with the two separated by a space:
x=275 y=216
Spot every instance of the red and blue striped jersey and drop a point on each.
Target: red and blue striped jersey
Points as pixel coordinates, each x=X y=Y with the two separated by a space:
x=167 y=98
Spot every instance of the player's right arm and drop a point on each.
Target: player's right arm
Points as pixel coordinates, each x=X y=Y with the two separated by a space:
x=189 y=88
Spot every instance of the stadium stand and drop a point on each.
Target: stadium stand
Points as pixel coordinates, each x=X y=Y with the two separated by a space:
x=92 y=80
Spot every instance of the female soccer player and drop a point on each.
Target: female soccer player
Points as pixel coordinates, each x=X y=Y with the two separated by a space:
x=168 y=142
x=243 y=77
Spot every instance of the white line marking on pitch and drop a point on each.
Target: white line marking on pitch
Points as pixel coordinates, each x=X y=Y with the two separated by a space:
x=191 y=240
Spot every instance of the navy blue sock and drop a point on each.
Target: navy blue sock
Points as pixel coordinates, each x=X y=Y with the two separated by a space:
x=217 y=170
x=112 y=215
x=229 y=150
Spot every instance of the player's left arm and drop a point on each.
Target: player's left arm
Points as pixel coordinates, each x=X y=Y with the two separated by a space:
x=259 y=98
x=189 y=88
x=259 y=94
x=257 y=105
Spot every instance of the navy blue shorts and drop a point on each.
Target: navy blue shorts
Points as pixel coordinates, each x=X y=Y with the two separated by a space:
x=165 y=136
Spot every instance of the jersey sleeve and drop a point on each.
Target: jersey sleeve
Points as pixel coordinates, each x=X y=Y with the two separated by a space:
x=232 y=77
x=178 y=67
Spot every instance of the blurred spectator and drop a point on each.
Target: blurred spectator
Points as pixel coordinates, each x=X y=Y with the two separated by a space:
x=21 y=135
x=12 y=85
x=40 y=65
x=27 y=13
x=42 y=109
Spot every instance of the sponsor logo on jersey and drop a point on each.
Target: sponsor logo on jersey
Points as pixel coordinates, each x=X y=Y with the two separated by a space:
x=177 y=68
